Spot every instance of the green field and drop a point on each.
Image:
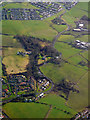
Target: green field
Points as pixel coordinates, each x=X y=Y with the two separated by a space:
x=66 y=38
x=19 y=5
x=83 y=5
x=76 y=60
x=60 y=28
x=76 y=12
x=10 y=41
x=56 y=73
x=85 y=54
x=13 y=62
x=66 y=50
x=59 y=114
x=25 y=110
x=0 y=67
x=84 y=38
x=34 y=28
x=81 y=98
x=58 y=102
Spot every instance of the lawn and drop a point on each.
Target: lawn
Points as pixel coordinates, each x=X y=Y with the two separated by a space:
x=66 y=50
x=80 y=101
x=19 y=5
x=34 y=28
x=58 y=102
x=25 y=110
x=10 y=41
x=14 y=63
x=56 y=73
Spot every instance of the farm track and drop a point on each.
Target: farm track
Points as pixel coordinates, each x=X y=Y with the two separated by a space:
x=48 y=112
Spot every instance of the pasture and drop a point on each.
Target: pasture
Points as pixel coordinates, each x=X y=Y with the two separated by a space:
x=36 y=28
x=14 y=63
x=9 y=41
x=19 y=5
x=58 y=102
x=66 y=38
x=25 y=110
x=56 y=73
x=80 y=98
x=60 y=28
x=66 y=50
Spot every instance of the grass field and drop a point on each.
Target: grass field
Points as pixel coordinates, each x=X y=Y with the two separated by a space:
x=81 y=98
x=76 y=60
x=10 y=41
x=66 y=38
x=60 y=28
x=57 y=101
x=65 y=49
x=19 y=5
x=57 y=73
x=58 y=114
x=25 y=110
x=0 y=67
x=85 y=54
x=13 y=62
x=84 y=38
x=34 y=28
x=76 y=12
x=83 y=5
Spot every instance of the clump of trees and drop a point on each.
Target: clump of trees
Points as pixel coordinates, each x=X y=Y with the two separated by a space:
x=65 y=86
x=85 y=18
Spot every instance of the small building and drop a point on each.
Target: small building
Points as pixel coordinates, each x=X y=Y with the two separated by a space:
x=80 y=25
x=78 y=41
x=77 y=30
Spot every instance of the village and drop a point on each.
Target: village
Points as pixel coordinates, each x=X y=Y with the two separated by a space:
x=44 y=11
x=18 y=84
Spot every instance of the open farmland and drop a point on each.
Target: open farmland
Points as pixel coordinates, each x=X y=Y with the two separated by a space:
x=66 y=50
x=13 y=62
x=20 y=5
x=34 y=28
x=66 y=38
x=81 y=98
x=57 y=73
x=9 y=41
x=25 y=110
x=60 y=28
x=76 y=60
x=58 y=102
x=58 y=114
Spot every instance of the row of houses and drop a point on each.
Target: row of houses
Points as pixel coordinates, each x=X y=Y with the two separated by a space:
x=45 y=10
x=15 y=84
x=68 y=5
